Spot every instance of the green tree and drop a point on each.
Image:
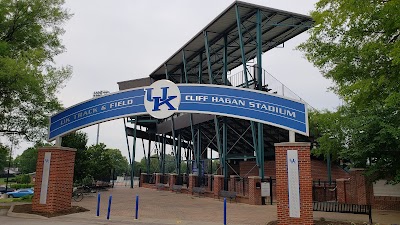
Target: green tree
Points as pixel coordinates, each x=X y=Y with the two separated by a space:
x=155 y=165
x=23 y=179
x=78 y=140
x=4 y=156
x=119 y=163
x=26 y=162
x=356 y=44
x=29 y=79
x=327 y=130
x=102 y=160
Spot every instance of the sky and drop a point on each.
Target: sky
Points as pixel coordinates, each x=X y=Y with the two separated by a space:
x=110 y=41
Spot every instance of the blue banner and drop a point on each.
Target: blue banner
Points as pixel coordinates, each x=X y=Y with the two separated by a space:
x=244 y=104
x=163 y=98
x=114 y=106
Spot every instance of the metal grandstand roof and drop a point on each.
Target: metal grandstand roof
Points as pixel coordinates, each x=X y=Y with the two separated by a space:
x=277 y=27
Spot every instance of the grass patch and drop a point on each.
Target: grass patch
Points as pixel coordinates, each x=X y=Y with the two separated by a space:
x=6 y=200
x=3 y=181
x=27 y=198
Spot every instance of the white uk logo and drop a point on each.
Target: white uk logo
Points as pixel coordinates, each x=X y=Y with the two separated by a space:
x=162 y=99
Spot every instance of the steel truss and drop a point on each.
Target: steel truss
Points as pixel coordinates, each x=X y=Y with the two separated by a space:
x=251 y=31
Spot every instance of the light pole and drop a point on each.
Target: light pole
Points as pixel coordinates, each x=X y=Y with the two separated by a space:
x=95 y=95
x=9 y=160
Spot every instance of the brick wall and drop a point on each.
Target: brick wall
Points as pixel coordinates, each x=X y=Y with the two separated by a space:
x=358 y=190
x=386 y=203
x=61 y=176
x=319 y=170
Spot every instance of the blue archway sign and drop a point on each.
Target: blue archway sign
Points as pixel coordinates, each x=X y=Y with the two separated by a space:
x=163 y=98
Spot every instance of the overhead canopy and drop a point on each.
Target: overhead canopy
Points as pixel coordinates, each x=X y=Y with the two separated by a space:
x=277 y=27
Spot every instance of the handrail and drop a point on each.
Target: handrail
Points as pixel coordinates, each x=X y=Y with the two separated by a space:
x=269 y=82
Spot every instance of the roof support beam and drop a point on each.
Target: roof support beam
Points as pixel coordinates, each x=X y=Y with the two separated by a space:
x=260 y=82
x=133 y=152
x=253 y=128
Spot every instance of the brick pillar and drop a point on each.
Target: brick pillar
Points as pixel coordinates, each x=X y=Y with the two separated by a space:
x=255 y=190
x=304 y=181
x=54 y=172
x=192 y=181
x=341 y=190
x=172 y=180
x=232 y=182
x=209 y=180
x=361 y=187
x=218 y=184
x=158 y=178
x=141 y=181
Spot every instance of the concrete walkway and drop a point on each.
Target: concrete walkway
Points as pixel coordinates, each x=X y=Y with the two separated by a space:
x=164 y=207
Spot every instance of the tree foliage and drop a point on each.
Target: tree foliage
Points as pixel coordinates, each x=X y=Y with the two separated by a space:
x=29 y=40
x=94 y=162
x=102 y=160
x=327 y=129
x=78 y=140
x=4 y=154
x=26 y=162
x=357 y=45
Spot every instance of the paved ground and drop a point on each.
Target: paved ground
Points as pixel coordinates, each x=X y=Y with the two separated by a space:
x=162 y=207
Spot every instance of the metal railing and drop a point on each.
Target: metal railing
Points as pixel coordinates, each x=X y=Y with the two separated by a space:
x=270 y=83
x=324 y=191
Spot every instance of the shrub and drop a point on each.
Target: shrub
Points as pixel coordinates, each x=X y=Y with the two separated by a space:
x=26 y=198
x=23 y=179
x=19 y=186
x=88 y=180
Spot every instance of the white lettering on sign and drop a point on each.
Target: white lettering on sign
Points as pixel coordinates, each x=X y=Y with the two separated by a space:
x=120 y=103
x=85 y=113
x=45 y=178
x=198 y=98
x=274 y=109
x=293 y=183
x=231 y=101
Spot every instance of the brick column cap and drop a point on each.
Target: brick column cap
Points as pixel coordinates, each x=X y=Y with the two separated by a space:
x=342 y=179
x=173 y=174
x=193 y=175
x=57 y=148
x=216 y=176
x=357 y=169
x=233 y=176
x=294 y=144
x=143 y=174
x=159 y=174
x=254 y=177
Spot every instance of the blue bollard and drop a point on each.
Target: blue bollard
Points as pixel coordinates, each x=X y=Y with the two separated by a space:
x=137 y=207
x=98 y=204
x=109 y=207
x=224 y=211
